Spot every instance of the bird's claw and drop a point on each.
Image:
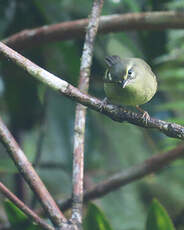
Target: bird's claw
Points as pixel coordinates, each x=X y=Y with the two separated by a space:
x=146 y=116
x=103 y=104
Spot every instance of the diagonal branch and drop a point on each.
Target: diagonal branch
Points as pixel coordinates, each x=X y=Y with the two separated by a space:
x=80 y=117
x=31 y=176
x=151 y=165
x=24 y=208
x=112 y=23
x=114 y=112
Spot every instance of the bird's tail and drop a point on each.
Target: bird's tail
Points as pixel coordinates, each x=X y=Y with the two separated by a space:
x=112 y=60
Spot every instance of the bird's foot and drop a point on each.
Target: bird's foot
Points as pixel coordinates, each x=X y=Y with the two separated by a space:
x=103 y=104
x=145 y=114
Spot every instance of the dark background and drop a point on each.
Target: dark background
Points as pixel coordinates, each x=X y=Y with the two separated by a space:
x=42 y=120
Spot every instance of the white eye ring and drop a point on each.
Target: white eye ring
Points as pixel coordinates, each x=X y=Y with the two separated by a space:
x=130 y=72
x=109 y=76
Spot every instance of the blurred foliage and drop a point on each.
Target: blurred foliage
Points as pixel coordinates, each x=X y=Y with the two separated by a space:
x=18 y=220
x=95 y=219
x=158 y=218
x=110 y=146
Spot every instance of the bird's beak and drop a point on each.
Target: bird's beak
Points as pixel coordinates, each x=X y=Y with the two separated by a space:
x=124 y=83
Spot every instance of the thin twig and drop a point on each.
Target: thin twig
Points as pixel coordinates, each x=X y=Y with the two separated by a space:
x=41 y=137
x=116 y=113
x=39 y=145
x=31 y=176
x=151 y=165
x=80 y=118
x=24 y=208
x=111 y=23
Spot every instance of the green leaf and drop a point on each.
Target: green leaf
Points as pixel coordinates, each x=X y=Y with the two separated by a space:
x=158 y=219
x=18 y=220
x=95 y=219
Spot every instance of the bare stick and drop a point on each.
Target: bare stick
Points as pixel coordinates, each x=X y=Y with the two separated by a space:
x=31 y=176
x=24 y=208
x=127 y=176
x=80 y=118
x=111 y=23
x=39 y=145
x=116 y=113
x=40 y=140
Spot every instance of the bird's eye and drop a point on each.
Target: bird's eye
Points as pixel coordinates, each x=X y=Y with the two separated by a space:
x=129 y=72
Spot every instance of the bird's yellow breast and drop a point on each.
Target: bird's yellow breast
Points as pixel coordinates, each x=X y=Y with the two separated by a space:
x=137 y=93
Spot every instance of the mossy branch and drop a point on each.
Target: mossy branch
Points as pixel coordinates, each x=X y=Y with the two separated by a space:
x=116 y=113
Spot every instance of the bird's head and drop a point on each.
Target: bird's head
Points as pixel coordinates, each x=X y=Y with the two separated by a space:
x=122 y=72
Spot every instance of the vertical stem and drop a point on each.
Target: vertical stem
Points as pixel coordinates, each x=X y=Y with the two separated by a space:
x=80 y=118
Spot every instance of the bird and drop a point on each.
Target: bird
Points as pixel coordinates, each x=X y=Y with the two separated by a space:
x=129 y=82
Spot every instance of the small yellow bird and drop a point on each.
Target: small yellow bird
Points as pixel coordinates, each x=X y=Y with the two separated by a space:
x=129 y=81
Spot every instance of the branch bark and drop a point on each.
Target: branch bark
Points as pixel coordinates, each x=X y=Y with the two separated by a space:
x=80 y=118
x=116 y=113
x=151 y=165
x=112 y=23
x=31 y=176
x=24 y=208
